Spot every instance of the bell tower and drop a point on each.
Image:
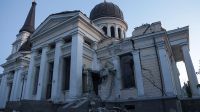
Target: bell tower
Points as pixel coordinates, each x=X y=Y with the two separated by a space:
x=27 y=29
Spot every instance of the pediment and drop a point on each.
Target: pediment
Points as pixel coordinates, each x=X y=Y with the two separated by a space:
x=50 y=23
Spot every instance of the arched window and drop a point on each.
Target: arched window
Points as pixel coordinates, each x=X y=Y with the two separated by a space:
x=119 y=33
x=112 y=29
x=104 y=30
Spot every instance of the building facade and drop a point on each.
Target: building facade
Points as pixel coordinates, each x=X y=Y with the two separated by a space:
x=70 y=56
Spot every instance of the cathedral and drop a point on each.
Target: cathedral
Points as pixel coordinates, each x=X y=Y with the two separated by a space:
x=75 y=63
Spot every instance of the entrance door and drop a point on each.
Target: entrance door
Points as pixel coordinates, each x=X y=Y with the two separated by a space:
x=96 y=81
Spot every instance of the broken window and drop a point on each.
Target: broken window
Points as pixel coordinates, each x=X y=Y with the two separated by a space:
x=127 y=71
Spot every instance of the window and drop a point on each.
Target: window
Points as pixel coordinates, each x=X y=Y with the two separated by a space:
x=49 y=83
x=35 y=83
x=112 y=29
x=68 y=39
x=66 y=73
x=39 y=51
x=119 y=33
x=104 y=30
x=10 y=90
x=127 y=71
x=52 y=46
x=10 y=84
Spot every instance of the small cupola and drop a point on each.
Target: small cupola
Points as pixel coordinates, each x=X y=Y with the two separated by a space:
x=109 y=18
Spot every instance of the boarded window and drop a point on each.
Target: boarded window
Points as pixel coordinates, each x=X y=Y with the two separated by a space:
x=127 y=71
x=66 y=73
x=36 y=78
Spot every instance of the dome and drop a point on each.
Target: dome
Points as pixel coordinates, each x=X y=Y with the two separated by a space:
x=106 y=9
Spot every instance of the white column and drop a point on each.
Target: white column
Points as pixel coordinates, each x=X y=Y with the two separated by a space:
x=75 y=89
x=12 y=95
x=1 y=85
x=30 y=77
x=176 y=78
x=41 y=87
x=56 y=84
x=122 y=33
x=108 y=30
x=24 y=79
x=118 y=80
x=116 y=31
x=190 y=71
x=3 y=95
x=166 y=71
x=16 y=89
x=138 y=73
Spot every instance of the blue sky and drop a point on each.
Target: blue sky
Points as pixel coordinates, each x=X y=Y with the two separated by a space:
x=172 y=14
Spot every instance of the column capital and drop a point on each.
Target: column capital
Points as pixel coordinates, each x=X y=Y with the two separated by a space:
x=60 y=40
x=77 y=33
x=45 y=46
x=19 y=68
x=33 y=50
x=115 y=57
x=160 y=45
x=135 y=52
x=184 y=44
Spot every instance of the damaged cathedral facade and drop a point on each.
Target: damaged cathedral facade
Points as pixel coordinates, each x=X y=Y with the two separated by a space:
x=72 y=62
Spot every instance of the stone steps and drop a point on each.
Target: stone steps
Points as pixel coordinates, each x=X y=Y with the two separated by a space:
x=31 y=106
x=81 y=105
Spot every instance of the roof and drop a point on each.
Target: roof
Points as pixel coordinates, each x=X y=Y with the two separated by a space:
x=29 y=24
x=106 y=9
